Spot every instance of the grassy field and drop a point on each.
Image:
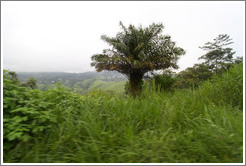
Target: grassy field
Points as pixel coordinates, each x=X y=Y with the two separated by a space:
x=184 y=126
x=112 y=86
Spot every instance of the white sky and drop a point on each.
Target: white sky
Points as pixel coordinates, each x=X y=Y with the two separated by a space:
x=62 y=35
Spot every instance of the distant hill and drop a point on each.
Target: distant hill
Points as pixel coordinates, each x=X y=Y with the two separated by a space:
x=87 y=81
x=114 y=86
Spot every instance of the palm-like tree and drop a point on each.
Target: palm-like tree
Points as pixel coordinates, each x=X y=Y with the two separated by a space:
x=136 y=51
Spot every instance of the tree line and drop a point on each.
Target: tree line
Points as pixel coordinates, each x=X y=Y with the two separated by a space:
x=136 y=51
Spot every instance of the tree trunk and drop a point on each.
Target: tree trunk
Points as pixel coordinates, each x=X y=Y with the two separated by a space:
x=135 y=84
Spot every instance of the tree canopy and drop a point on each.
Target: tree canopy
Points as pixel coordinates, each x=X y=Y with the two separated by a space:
x=218 y=57
x=193 y=76
x=136 y=51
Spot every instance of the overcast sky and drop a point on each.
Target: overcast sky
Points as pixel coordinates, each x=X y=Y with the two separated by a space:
x=62 y=36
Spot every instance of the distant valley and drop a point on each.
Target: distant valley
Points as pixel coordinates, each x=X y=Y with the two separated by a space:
x=113 y=81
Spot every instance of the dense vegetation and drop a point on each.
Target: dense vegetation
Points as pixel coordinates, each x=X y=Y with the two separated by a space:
x=203 y=124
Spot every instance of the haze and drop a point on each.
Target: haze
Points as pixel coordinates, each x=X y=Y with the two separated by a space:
x=62 y=36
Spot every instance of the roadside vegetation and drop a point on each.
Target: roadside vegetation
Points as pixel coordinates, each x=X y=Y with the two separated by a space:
x=185 y=125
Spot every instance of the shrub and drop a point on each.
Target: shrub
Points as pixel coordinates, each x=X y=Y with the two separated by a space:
x=227 y=87
x=193 y=76
x=24 y=113
x=164 y=81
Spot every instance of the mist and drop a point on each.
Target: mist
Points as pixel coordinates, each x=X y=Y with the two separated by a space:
x=62 y=36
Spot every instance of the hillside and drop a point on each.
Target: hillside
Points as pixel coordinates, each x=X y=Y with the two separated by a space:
x=93 y=84
x=87 y=81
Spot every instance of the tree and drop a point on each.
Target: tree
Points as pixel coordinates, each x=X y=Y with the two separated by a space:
x=193 y=76
x=217 y=56
x=136 y=51
x=31 y=83
x=13 y=76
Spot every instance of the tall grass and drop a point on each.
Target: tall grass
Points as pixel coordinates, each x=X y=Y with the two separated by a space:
x=204 y=125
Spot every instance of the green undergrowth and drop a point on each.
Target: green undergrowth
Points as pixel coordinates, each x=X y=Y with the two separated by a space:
x=184 y=126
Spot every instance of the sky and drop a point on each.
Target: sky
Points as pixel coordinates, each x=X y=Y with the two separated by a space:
x=61 y=36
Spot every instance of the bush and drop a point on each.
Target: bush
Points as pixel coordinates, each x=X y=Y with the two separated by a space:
x=193 y=76
x=164 y=81
x=24 y=113
x=227 y=87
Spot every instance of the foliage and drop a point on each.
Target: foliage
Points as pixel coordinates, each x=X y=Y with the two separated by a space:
x=184 y=126
x=228 y=87
x=164 y=81
x=238 y=60
x=218 y=58
x=193 y=76
x=25 y=115
x=136 y=51
x=31 y=83
x=12 y=76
